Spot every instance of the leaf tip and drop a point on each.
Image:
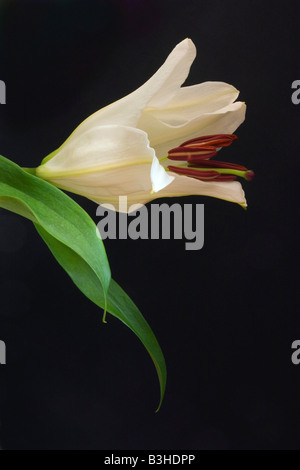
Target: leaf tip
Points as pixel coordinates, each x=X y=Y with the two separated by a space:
x=105 y=312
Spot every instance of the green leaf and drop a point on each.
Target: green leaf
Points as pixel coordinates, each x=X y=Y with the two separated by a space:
x=57 y=214
x=119 y=304
x=75 y=242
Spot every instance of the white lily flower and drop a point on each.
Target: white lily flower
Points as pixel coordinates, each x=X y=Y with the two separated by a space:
x=121 y=149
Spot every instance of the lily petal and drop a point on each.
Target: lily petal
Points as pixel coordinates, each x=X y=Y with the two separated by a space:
x=185 y=186
x=190 y=102
x=164 y=135
x=121 y=154
x=157 y=91
x=128 y=181
x=159 y=177
x=102 y=148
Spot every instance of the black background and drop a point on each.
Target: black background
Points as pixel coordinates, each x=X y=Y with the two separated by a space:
x=225 y=316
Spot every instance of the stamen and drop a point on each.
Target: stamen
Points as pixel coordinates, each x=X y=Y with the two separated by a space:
x=217 y=164
x=207 y=175
x=224 y=178
x=197 y=154
x=205 y=147
x=218 y=140
x=185 y=154
x=212 y=173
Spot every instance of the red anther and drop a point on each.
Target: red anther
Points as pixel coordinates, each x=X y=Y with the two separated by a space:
x=197 y=153
x=203 y=175
x=192 y=148
x=218 y=140
x=185 y=154
x=216 y=164
x=201 y=148
x=222 y=178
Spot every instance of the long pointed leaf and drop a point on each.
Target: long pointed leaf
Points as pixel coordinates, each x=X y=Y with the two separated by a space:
x=74 y=240
x=119 y=304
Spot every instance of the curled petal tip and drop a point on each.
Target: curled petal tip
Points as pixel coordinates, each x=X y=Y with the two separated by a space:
x=189 y=41
x=188 y=44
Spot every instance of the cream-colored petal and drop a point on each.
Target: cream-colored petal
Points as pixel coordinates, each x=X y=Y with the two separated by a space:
x=191 y=102
x=157 y=91
x=169 y=78
x=105 y=163
x=136 y=186
x=100 y=148
x=159 y=177
x=185 y=186
x=164 y=136
x=107 y=186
